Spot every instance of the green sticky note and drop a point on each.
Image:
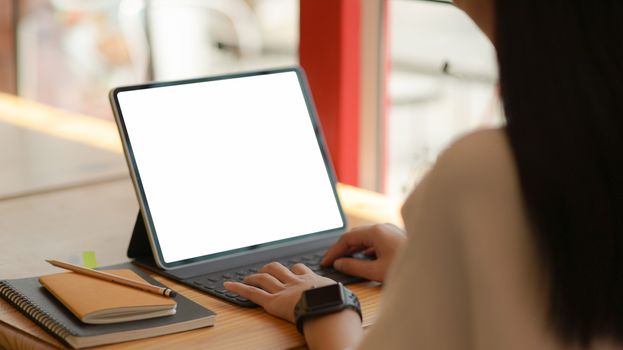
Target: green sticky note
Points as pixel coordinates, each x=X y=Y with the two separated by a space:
x=88 y=259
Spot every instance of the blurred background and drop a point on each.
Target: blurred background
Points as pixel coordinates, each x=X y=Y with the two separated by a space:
x=70 y=53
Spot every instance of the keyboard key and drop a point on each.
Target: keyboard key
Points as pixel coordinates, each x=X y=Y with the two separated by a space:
x=227 y=276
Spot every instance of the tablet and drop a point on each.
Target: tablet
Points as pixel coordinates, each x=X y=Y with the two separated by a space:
x=227 y=165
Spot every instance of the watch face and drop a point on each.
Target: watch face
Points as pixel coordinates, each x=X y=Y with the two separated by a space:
x=324 y=296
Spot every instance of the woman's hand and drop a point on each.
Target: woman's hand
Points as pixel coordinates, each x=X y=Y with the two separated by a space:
x=382 y=241
x=277 y=289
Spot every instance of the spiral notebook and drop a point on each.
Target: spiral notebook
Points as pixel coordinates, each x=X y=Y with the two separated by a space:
x=35 y=302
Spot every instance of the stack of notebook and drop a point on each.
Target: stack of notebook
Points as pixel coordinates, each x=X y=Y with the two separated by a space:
x=82 y=311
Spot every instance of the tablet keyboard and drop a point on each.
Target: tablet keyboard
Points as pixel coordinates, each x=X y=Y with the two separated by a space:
x=213 y=283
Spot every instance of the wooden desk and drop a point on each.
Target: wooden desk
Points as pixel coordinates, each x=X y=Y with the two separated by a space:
x=88 y=209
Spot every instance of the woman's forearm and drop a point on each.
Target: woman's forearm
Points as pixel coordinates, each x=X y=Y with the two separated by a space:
x=340 y=330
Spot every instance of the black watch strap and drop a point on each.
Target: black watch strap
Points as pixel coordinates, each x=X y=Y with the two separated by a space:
x=334 y=298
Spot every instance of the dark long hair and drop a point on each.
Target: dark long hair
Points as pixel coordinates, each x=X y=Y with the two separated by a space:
x=561 y=76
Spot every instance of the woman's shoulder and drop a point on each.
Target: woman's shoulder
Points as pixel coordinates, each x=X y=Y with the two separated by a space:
x=480 y=160
x=475 y=187
x=478 y=166
x=478 y=177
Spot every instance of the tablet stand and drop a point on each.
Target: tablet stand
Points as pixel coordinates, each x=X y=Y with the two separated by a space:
x=139 y=248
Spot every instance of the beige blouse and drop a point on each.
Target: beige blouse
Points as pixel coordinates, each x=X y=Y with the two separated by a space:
x=469 y=277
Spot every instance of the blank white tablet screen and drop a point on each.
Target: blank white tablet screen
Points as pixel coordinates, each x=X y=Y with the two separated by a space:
x=228 y=164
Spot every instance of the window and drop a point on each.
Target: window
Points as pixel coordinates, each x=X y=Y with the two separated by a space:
x=442 y=85
x=71 y=53
x=442 y=81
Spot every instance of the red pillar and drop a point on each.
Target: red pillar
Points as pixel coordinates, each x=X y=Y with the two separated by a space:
x=330 y=52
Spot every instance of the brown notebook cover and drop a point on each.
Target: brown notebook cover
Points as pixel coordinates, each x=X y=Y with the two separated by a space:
x=96 y=301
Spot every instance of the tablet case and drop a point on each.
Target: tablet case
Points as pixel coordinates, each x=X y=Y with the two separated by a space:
x=139 y=247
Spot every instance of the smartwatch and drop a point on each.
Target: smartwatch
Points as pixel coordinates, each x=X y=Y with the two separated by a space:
x=324 y=300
